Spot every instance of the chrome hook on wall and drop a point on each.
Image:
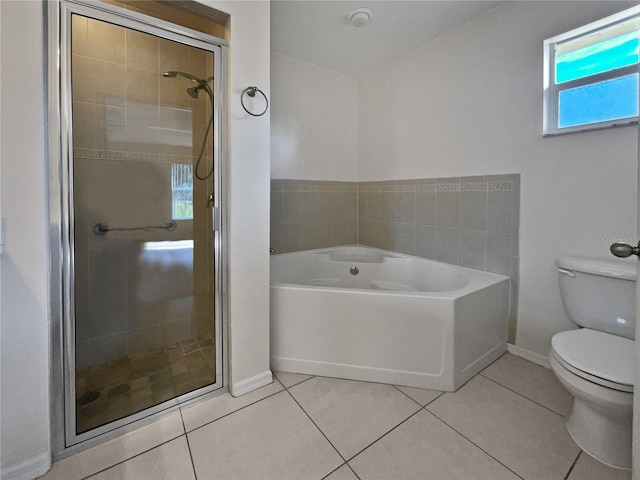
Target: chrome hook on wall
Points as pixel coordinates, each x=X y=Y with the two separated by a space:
x=251 y=92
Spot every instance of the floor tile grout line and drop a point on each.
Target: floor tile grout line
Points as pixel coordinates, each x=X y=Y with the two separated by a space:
x=231 y=413
x=407 y=395
x=193 y=465
x=430 y=402
x=316 y=425
x=523 y=396
x=333 y=471
x=384 y=435
x=348 y=379
x=338 y=468
x=573 y=465
x=474 y=443
x=134 y=456
x=319 y=429
x=295 y=384
x=353 y=471
x=360 y=451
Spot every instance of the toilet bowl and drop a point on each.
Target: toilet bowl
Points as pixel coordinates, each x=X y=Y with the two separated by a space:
x=595 y=363
x=600 y=422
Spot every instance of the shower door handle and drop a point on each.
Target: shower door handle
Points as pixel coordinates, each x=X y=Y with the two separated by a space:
x=215 y=213
x=215 y=219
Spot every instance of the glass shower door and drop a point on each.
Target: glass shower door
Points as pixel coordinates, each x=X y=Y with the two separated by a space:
x=142 y=171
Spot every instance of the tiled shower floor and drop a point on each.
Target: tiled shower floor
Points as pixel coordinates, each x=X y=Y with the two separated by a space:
x=508 y=422
x=133 y=383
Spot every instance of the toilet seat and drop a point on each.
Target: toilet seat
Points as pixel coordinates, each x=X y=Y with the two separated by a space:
x=598 y=357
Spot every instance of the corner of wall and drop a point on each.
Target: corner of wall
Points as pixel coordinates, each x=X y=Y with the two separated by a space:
x=32 y=468
x=249 y=177
x=247 y=385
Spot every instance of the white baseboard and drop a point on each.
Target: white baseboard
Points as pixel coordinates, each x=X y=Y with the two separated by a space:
x=249 y=384
x=528 y=355
x=29 y=469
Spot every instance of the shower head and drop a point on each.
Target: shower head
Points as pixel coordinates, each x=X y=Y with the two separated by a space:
x=193 y=91
x=174 y=73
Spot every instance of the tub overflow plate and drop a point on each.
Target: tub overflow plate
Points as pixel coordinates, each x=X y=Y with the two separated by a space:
x=354 y=270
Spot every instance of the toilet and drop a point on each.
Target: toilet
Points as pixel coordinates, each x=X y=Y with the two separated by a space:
x=595 y=363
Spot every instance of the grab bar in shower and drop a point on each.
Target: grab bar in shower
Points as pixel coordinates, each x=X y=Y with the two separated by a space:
x=102 y=229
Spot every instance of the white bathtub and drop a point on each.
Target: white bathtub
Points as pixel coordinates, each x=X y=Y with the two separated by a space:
x=401 y=320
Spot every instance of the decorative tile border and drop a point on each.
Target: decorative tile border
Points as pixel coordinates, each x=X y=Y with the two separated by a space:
x=301 y=188
x=346 y=188
x=402 y=186
x=448 y=187
x=95 y=154
x=124 y=156
x=164 y=158
x=435 y=185
x=473 y=187
x=501 y=185
x=313 y=186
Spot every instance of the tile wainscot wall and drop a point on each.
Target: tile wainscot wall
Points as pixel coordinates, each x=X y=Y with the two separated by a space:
x=313 y=214
x=468 y=221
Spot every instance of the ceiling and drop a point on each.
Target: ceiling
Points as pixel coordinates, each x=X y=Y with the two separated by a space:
x=317 y=31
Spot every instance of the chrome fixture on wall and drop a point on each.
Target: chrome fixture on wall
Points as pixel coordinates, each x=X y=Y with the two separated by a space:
x=193 y=93
x=251 y=92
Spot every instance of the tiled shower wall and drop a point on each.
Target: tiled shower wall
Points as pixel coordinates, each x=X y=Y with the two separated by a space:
x=312 y=214
x=468 y=221
x=130 y=125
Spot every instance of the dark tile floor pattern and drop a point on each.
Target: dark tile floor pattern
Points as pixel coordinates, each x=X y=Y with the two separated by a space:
x=135 y=382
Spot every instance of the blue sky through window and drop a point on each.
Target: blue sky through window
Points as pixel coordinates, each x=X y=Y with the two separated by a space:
x=598 y=102
x=610 y=54
x=592 y=75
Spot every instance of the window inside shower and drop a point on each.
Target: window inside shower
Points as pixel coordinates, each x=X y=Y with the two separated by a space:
x=182 y=191
x=144 y=263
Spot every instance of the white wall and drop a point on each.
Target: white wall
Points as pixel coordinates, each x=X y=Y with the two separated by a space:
x=24 y=326
x=24 y=347
x=314 y=122
x=470 y=103
x=249 y=138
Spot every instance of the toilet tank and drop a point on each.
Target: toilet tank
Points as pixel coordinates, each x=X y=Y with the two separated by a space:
x=599 y=293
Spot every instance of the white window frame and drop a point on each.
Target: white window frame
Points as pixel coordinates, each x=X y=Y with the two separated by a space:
x=552 y=90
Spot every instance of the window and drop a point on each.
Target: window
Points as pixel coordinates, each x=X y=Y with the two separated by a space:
x=181 y=192
x=591 y=75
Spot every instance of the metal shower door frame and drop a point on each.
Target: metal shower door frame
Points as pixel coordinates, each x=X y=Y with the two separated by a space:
x=58 y=13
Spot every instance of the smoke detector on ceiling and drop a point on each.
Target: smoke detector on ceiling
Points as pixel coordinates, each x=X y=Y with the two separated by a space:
x=360 y=17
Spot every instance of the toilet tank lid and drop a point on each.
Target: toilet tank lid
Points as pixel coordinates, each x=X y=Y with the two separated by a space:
x=608 y=267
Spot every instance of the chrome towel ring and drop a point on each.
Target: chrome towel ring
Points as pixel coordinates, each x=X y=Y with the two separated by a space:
x=251 y=91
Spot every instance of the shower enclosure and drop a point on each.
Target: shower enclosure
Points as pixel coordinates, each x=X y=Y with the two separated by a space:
x=140 y=197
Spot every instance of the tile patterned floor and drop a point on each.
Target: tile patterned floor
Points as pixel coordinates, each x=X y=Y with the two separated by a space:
x=506 y=423
x=131 y=384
